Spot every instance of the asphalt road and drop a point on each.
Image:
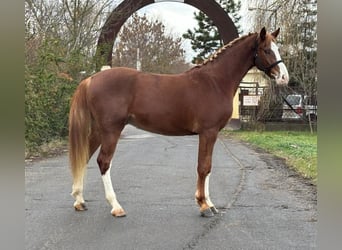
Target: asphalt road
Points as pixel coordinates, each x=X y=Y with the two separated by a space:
x=262 y=204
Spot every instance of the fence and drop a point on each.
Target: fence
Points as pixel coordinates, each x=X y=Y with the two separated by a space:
x=265 y=105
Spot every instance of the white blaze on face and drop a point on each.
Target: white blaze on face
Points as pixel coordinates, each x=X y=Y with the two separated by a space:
x=283 y=77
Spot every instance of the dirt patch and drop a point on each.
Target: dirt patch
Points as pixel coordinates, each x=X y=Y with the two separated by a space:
x=303 y=188
x=48 y=150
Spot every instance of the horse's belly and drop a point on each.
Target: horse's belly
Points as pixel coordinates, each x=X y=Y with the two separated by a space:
x=160 y=124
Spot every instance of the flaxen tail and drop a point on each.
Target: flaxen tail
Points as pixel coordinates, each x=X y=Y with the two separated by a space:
x=79 y=129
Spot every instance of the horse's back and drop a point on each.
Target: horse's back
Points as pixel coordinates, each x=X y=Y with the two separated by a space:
x=121 y=79
x=113 y=80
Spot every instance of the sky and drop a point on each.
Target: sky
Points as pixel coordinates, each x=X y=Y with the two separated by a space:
x=178 y=18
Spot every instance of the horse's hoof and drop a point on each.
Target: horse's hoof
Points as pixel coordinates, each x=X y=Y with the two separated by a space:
x=80 y=207
x=214 y=210
x=119 y=213
x=207 y=213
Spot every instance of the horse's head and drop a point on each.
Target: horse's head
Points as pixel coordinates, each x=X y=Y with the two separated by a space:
x=267 y=57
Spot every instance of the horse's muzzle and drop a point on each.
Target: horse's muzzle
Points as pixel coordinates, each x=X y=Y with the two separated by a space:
x=282 y=79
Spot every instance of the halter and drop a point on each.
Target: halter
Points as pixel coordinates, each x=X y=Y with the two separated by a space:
x=258 y=63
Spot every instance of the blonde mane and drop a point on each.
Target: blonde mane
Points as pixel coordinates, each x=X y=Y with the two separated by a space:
x=223 y=48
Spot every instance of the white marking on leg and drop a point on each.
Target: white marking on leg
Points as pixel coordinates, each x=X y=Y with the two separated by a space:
x=109 y=191
x=77 y=192
x=206 y=191
x=283 y=77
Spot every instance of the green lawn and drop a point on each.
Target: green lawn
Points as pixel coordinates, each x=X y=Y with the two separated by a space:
x=299 y=149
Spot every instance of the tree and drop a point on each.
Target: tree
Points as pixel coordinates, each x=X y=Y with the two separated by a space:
x=205 y=39
x=297 y=20
x=60 y=39
x=298 y=37
x=159 y=52
x=74 y=24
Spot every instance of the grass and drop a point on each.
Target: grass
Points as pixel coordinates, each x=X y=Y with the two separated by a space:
x=299 y=149
x=55 y=147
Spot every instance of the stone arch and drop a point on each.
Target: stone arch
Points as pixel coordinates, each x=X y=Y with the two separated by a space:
x=125 y=9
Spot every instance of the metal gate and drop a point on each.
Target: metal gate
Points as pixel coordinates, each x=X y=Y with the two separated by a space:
x=249 y=98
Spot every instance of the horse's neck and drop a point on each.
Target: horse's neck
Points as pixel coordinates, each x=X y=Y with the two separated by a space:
x=233 y=65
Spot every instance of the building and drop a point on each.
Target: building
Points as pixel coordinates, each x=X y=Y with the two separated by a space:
x=250 y=90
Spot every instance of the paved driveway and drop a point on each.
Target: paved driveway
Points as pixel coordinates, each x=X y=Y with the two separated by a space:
x=262 y=204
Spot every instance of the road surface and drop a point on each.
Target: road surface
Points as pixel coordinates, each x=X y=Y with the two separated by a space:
x=263 y=204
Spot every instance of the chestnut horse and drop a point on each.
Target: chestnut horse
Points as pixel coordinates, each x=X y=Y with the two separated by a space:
x=198 y=101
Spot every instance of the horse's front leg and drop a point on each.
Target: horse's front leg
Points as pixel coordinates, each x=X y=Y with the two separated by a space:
x=205 y=151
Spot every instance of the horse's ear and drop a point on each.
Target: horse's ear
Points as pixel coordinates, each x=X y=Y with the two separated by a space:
x=275 y=33
x=263 y=34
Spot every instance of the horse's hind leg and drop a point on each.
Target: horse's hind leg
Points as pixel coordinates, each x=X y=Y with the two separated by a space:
x=77 y=187
x=77 y=192
x=104 y=159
